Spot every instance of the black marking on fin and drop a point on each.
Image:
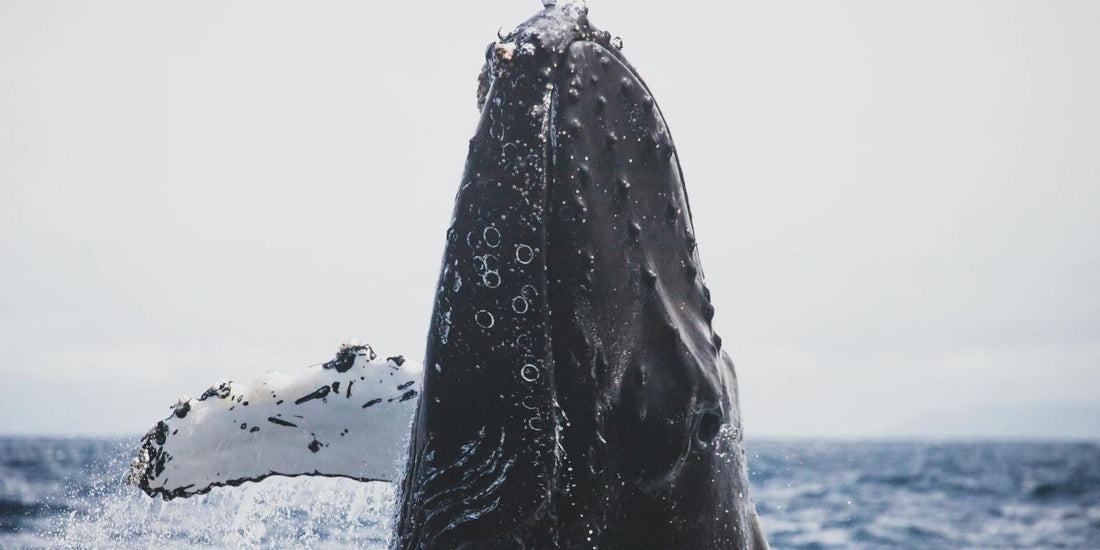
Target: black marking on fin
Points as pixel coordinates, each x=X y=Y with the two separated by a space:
x=345 y=358
x=221 y=391
x=319 y=393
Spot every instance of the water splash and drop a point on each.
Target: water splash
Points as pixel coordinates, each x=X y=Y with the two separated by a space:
x=102 y=512
x=68 y=493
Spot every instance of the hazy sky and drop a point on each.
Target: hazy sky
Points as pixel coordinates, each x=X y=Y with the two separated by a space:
x=897 y=202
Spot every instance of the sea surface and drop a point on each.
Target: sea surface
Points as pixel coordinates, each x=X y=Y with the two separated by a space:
x=68 y=493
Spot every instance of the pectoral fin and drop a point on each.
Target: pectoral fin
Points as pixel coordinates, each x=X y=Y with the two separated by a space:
x=347 y=418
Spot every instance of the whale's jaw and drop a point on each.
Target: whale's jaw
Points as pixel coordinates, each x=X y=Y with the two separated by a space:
x=575 y=394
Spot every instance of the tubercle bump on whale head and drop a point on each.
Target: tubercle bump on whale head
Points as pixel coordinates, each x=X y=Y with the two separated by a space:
x=540 y=41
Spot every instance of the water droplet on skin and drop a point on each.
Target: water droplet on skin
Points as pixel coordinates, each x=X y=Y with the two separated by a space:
x=491 y=279
x=491 y=236
x=520 y=305
x=523 y=341
x=529 y=372
x=579 y=203
x=524 y=254
x=484 y=319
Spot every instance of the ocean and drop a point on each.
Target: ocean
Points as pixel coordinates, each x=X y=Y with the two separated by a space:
x=68 y=493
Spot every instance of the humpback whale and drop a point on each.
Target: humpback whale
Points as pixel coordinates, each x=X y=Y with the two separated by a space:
x=573 y=392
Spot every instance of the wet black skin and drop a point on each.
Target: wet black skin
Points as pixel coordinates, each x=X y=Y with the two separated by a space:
x=575 y=394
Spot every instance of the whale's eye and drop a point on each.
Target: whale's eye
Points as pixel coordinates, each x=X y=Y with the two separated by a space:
x=710 y=421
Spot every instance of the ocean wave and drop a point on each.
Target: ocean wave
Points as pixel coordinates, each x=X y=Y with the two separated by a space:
x=69 y=493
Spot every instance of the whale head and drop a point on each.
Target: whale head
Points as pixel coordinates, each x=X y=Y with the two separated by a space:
x=575 y=392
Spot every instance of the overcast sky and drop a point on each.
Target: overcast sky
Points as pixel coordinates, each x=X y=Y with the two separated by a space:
x=897 y=202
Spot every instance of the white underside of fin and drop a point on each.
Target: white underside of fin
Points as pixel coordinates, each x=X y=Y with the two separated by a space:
x=319 y=421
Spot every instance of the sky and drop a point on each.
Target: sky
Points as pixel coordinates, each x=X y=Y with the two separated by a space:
x=897 y=203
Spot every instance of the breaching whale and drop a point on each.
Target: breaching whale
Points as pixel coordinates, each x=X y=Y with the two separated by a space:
x=573 y=392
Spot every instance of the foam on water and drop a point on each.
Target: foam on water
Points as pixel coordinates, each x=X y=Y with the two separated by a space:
x=68 y=493
x=278 y=513
x=99 y=511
